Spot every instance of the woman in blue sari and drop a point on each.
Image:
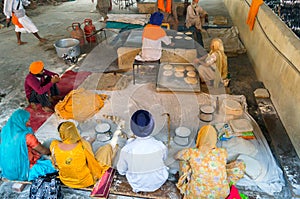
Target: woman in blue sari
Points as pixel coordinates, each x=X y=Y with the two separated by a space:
x=20 y=151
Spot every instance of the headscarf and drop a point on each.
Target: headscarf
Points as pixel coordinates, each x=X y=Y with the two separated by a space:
x=206 y=139
x=70 y=135
x=142 y=123
x=217 y=47
x=36 y=67
x=156 y=18
x=14 y=160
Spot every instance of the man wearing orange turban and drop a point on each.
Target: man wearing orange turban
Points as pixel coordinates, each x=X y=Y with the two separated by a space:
x=40 y=84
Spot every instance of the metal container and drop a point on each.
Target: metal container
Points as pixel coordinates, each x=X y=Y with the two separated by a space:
x=206 y=113
x=68 y=46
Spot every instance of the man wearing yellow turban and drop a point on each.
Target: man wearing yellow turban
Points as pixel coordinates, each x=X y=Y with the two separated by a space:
x=40 y=84
x=75 y=160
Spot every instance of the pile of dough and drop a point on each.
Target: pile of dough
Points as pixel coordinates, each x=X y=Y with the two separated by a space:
x=191 y=80
x=189 y=68
x=179 y=74
x=179 y=69
x=168 y=73
x=232 y=107
x=188 y=33
x=178 y=37
x=168 y=67
x=188 y=38
x=180 y=33
x=191 y=74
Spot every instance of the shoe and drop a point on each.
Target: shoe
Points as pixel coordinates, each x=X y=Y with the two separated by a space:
x=47 y=109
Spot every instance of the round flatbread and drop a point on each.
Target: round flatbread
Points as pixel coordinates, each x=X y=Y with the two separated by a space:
x=188 y=33
x=102 y=128
x=182 y=131
x=168 y=73
x=190 y=68
x=178 y=37
x=180 y=33
x=232 y=104
x=179 y=74
x=171 y=37
x=188 y=38
x=168 y=67
x=191 y=74
x=179 y=68
x=191 y=80
x=207 y=109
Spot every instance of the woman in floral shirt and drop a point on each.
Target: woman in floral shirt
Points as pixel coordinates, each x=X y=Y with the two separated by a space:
x=204 y=168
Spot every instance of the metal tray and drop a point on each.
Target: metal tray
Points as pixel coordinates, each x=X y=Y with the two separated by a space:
x=173 y=83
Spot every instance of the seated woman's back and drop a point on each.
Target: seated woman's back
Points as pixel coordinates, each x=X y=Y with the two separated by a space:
x=72 y=166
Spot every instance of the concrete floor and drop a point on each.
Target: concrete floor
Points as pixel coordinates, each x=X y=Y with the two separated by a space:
x=53 y=21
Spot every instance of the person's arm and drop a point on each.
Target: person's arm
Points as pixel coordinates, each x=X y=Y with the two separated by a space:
x=42 y=150
x=33 y=142
x=122 y=166
x=34 y=83
x=201 y=59
x=7 y=9
x=50 y=73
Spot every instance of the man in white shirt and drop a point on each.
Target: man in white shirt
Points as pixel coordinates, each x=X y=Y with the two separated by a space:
x=142 y=158
x=15 y=12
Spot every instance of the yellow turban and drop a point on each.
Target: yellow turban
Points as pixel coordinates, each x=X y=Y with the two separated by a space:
x=207 y=138
x=69 y=133
x=36 y=67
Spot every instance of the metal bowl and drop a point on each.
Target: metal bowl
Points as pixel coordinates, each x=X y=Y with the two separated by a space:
x=68 y=46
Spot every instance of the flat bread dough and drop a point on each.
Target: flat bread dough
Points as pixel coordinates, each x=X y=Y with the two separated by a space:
x=180 y=33
x=179 y=68
x=190 y=68
x=191 y=74
x=178 y=37
x=168 y=73
x=171 y=37
x=188 y=33
x=240 y=125
x=232 y=104
x=179 y=74
x=168 y=67
x=102 y=128
x=182 y=131
x=191 y=80
x=188 y=38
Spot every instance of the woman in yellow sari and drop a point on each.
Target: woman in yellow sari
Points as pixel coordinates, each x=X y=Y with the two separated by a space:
x=75 y=160
x=213 y=66
x=205 y=173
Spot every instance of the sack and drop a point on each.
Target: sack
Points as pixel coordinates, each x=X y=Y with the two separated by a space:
x=101 y=188
x=46 y=187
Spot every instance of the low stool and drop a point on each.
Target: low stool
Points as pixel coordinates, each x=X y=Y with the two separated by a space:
x=137 y=64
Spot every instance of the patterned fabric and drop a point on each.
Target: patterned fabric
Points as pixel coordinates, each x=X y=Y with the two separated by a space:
x=208 y=177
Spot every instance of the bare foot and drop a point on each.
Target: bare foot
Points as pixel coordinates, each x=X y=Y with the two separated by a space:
x=42 y=40
x=22 y=42
x=48 y=109
x=33 y=106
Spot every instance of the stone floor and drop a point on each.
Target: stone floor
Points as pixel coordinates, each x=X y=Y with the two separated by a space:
x=52 y=22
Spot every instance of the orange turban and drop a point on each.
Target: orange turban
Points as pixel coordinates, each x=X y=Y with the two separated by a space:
x=36 y=67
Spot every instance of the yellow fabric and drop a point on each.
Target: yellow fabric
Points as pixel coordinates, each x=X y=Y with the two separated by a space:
x=253 y=12
x=217 y=48
x=78 y=167
x=36 y=67
x=104 y=155
x=72 y=166
x=80 y=105
x=207 y=139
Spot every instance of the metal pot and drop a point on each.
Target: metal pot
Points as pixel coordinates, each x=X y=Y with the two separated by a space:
x=68 y=46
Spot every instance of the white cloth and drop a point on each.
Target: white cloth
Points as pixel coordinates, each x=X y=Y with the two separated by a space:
x=142 y=161
x=11 y=6
x=151 y=49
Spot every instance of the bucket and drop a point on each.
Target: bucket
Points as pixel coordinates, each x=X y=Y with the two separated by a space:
x=67 y=46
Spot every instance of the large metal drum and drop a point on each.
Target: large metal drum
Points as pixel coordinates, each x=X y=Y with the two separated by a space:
x=68 y=46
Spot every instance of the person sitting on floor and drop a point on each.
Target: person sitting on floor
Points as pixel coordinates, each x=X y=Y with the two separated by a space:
x=20 y=151
x=204 y=170
x=74 y=158
x=195 y=15
x=152 y=37
x=213 y=67
x=40 y=84
x=142 y=158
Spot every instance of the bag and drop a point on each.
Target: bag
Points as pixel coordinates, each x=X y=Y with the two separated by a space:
x=101 y=188
x=46 y=187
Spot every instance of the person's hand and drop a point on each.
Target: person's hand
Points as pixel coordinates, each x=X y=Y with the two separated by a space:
x=196 y=61
x=55 y=79
x=172 y=44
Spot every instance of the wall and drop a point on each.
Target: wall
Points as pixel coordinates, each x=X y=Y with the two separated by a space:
x=274 y=51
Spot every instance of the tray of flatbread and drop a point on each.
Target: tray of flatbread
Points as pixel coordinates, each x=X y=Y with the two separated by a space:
x=178 y=77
